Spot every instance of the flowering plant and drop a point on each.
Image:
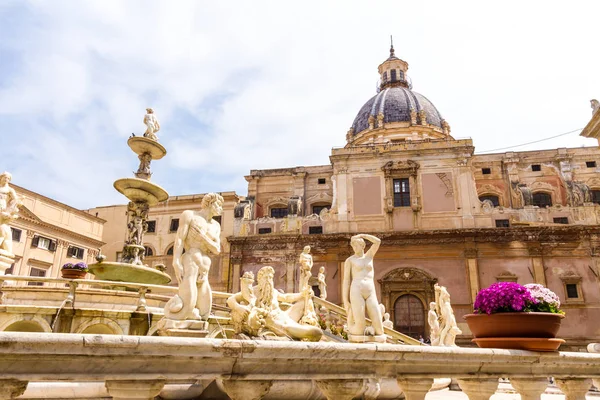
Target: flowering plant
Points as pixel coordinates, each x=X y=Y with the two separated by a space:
x=80 y=266
x=547 y=300
x=512 y=297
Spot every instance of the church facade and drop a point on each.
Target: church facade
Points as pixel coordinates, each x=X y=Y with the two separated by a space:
x=444 y=214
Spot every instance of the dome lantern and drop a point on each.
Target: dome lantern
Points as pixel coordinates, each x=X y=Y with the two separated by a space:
x=393 y=71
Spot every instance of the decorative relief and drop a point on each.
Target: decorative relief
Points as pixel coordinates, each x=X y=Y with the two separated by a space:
x=471 y=253
x=506 y=276
x=444 y=178
x=409 y=167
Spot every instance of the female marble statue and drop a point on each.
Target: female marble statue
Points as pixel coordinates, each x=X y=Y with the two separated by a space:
x=199 y=235
x=322 y=283
x=358 y=289
x=434 y=324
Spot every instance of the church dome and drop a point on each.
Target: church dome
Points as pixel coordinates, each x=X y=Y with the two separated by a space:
x=396 y=103
x=397 y=113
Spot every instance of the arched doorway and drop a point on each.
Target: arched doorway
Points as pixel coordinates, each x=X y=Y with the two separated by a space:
x=409 y=316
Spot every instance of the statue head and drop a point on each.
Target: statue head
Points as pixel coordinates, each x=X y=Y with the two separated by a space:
x=386 y=316
x=306 y=249
x=432 y=306
x=5 y=177
x=322 y=270
x=246 y=282
x=149 y=110
x=214 y=202
x=358 y=244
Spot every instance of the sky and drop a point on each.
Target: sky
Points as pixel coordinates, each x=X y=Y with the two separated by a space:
x=241 y=85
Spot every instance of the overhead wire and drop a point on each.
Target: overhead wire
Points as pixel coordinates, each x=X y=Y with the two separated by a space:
x=525 y=144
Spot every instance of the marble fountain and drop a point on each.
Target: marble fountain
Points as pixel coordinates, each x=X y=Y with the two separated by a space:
x=126 y=335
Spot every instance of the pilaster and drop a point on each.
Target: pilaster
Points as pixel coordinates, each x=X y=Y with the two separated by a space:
x=472 y=271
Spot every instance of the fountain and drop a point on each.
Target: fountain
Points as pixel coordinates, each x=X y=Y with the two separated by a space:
x=141 y=194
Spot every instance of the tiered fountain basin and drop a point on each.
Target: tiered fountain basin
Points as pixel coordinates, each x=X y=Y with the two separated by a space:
x=140 y=190
x=124 y=272
x=141 y=145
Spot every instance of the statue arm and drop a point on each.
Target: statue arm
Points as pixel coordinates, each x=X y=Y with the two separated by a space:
x=182 y=232
x=346 y=284
x=376 y=242
x=290 y=297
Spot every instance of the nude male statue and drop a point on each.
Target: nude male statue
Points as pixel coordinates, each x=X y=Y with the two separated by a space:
x=244 y=315
x=152 y=124
x=306 y=264
x=358 y=288
x=8 y=211
x=199 y=235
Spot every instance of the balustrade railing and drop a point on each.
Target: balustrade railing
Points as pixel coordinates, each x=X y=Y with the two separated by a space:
x=141 y=367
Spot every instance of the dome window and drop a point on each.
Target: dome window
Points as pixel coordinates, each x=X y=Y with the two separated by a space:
x=401 y=75
x=385 y=77
x=393 y=75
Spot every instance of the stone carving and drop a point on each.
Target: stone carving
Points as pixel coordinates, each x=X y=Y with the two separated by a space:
x=152 y=124
x=423 y=117
x=9 y=202
x=444 y=178
x=413 y=116
x=358 y=291
x=441 y=319
x=380 y=117
x=322 y=283
x=306 y=263
x=487 y=206
x=578 y=193
x=434 y=324
x=137 y=224
x=371 y=121
x=387 y=323
x=446 y=127
x=595 y=105
x=295 y=205
x=199 y=235
x=143 y=171
x=256 y=311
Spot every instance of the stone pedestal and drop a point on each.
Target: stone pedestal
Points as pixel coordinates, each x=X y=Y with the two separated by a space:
x=11 y=388
x=185 y=328
x=134 y=389
x=6 y=260
x=341 y=389
x=367 y=338
x=246 y=390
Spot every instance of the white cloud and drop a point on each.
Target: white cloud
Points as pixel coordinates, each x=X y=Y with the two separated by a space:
x=245 y=85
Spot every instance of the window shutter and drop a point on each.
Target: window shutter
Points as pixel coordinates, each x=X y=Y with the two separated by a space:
x=35 y=241
x=70 y=252
x=52 y=246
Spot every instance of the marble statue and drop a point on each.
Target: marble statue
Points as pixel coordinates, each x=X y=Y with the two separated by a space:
x=199 y=235
x=322 y=283
x=152 y=124
x=387 y=323
x=256 y=311
x=448 y=328
x=595 y=105
x=306 y=264
x=9 y=202
x=434 y=324
x=358 y=291
x=143 y=171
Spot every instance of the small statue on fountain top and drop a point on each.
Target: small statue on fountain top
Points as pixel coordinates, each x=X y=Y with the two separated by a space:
x=151 y=122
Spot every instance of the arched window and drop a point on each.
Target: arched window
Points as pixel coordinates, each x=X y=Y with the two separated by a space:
x=385 y=77
x=542 y=199
x=401 y=75
x=279 y=211
x=596 y=196
x=494 y=199
x=170 y=251
x=409 y=316
x=317 y=208
x=148 y=251
x=393 y=75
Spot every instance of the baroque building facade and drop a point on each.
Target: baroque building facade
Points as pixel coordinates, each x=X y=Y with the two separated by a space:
x=444 y=214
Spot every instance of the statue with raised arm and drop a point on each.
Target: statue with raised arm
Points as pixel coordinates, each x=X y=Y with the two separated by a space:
x=358 y=291
x=152 y=124
x=199 y=235
x=9 y=202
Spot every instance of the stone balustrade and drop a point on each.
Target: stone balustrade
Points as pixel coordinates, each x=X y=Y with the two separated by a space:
x=140 y=367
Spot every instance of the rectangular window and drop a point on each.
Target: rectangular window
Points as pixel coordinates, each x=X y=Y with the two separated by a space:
x=280 y=212
x=321 y=181
x=39 y=272
x=315 y=230
x=393 y=75
x=536 y=167
x=44 y=243
x=561 y=220
x=486 y=171
x=401 y=192
x=75 y=252
x=502 y=223
x=596 y=196
x=262 y=231
x=151 y=227
x=16 y=234
x=590 y=164
x=174 y=225
x=572 y=292
x=119 y=256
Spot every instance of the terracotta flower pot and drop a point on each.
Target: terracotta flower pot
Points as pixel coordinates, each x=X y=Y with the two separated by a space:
x=520 y=325
x=73 y=273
